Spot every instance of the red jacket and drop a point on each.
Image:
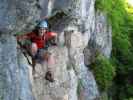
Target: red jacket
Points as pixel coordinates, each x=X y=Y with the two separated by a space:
x=40 y=40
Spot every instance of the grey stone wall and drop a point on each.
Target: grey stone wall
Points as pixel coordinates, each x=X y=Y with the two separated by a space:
x=81 y=31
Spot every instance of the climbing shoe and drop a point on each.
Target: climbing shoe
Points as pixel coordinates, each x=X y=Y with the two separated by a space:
x=49 y=76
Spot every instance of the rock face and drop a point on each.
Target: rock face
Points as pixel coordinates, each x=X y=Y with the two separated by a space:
x=9 y=71
x=17 y=15
x=101 y=39
x=103 y=36
x=14 y=79
x=81 y=32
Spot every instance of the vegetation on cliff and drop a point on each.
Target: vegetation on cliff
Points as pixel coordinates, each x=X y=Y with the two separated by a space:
x=120 y=16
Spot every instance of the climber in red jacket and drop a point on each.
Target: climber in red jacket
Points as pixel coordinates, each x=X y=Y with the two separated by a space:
x=40 y=39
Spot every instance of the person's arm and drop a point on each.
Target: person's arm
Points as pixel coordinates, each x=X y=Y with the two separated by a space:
x=21 y=37
x=53 y=38
x=24 y=37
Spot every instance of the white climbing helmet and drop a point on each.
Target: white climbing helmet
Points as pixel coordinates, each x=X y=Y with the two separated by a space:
x=43 y=24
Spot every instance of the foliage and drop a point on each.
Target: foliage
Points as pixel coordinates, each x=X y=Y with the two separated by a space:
x=120 y=16
x=115 y=11
x=104 y=72
x=129 y=99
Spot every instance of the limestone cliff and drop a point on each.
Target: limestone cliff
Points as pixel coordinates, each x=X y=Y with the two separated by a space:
x=81 y=31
